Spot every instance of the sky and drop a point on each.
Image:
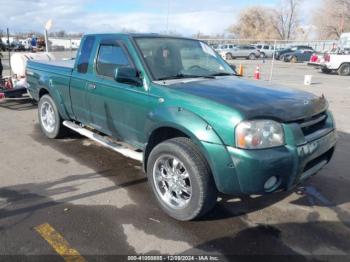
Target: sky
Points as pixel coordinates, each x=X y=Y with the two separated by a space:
x=186 y=17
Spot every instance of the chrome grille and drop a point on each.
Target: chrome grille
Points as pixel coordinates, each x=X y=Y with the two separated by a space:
x=313 y=124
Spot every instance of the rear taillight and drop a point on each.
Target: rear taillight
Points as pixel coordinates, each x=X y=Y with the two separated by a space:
x=327 y=58
x=314 y=58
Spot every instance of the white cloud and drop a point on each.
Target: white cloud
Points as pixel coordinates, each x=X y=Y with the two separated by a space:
x=22 y=16
x=186 y=17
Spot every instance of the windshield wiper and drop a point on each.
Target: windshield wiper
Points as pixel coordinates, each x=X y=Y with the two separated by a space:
x=181 y=76
x=223 y=74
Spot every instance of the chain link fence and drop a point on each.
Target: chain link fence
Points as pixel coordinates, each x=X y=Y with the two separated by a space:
x=66 y=48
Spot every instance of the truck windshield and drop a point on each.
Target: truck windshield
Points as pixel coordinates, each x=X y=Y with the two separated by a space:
x=172 y=58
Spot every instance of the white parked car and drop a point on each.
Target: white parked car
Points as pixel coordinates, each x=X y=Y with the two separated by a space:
x=336 y=62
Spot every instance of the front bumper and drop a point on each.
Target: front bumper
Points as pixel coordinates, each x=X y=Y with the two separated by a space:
x=238 y=171
x=290 y=165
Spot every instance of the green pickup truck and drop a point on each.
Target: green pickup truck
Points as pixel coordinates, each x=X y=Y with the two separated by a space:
x=175 y=105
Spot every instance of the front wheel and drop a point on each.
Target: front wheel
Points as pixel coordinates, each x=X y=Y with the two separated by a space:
x=229 y=56
x=49 y=118
x=181 y=180
x=344 y=70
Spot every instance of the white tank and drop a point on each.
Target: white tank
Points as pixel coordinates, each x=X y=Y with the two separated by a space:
x=19 y=61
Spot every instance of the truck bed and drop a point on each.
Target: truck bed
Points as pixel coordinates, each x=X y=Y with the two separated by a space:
x=54 y=76
x=63 y=66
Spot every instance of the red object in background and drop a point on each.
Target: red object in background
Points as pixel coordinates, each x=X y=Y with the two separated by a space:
x=2 y=95
x=314 y=58
x=327 y=57
x=8 y=84
x=257 y=73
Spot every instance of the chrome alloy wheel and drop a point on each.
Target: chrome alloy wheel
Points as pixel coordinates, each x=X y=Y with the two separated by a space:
x=172 y=181
x=47 y=116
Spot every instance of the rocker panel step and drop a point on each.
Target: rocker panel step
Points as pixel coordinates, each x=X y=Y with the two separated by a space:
x=115 y=146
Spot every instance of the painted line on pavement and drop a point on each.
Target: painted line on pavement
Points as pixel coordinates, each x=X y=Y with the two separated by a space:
x=58 y=243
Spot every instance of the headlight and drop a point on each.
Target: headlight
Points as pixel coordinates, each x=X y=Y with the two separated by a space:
x=258 y=134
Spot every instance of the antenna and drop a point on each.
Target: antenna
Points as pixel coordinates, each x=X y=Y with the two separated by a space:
x=167 y=18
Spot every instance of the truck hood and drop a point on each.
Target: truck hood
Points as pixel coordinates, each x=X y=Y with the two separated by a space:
x=256 y=101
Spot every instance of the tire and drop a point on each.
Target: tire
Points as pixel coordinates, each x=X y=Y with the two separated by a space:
x=252 y=56
x=190 y=161
x=262 y=55
x=51 y=123
x=344 y=70
x=294 y=59
x=229 y=56
x=326 y=70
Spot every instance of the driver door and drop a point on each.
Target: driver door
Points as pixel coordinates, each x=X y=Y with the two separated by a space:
x=117 y=109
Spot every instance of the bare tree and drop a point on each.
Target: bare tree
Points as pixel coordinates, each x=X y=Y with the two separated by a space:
x=255 y=23
x=286 y=19
x=333 y=18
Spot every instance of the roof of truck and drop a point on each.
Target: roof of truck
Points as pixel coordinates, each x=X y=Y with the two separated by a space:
x=136 y=35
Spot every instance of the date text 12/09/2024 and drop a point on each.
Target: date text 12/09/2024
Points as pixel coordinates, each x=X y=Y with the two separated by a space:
x=174 y=258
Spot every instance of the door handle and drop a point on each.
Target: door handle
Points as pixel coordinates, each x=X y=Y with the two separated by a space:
x=91 y=86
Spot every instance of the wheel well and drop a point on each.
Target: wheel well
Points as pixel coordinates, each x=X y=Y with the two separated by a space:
x=159 y=135
x=42 y=92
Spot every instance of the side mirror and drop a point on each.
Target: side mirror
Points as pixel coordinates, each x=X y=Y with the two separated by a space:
x=128 y=75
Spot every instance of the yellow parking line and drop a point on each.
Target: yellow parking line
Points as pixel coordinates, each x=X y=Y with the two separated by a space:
x=59 y=244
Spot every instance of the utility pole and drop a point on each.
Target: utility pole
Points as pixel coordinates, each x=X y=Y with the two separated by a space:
x=8 y=48
x=167 y=18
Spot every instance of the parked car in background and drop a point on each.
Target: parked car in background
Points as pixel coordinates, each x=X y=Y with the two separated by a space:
x=17 y=47
x=265 y=50
x=280 y=53
x=339 y=63
x=240 y=51
x=224 y=47
x=298 y=56
x=2 y=46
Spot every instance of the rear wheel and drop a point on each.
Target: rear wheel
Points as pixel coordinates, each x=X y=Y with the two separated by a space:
x=252 y=56
x=344 y=70
x=326 y=70
x=262 y=55
x=49 y=118
x=294 y=59
x=181 y=180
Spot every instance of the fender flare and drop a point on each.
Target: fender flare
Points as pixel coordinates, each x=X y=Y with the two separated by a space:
x=185 y=121
x=189 y=123
x=47 y=84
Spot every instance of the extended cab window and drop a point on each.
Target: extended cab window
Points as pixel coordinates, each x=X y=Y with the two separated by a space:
x=109 y=58
x=85 y=53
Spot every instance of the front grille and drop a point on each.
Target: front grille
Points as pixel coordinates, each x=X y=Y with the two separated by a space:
x=324 y=157
x=312 y=124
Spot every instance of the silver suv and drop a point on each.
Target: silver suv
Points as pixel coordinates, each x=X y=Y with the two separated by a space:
x=240 y=51
x=265 y=50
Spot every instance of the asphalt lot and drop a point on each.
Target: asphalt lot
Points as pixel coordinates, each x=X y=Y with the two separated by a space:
x=100 y=202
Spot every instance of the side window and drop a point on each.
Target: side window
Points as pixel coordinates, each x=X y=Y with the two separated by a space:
x=85 y=54
x=266 y=47
x=109 y=58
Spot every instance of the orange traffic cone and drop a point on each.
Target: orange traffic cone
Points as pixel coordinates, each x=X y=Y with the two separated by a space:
x=240 y=70
x=257 y=73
